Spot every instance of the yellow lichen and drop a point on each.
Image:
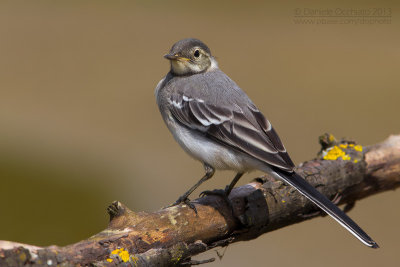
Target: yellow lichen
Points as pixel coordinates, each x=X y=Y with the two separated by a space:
x=110 y=260
x=355 y=161
x=346 y=157
x=116 y=251
x=343 y=145
x=331 y=138
x=335 y=153
x=351 y=145
x=122 y=253
x=177 y=254
x=22 y=257
x=358 y=148
x=135 y=260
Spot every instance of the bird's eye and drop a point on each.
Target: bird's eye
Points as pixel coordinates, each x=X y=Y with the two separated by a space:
x=197 y=53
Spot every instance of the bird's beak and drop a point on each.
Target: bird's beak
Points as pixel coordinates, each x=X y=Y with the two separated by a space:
x=175 y=57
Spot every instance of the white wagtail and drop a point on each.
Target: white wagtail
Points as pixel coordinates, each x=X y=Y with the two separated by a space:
x=216 y=122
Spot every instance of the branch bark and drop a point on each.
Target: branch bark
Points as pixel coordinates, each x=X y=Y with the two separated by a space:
x=170 y=236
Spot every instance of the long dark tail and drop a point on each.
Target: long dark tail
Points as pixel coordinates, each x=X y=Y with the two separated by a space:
x=326 y=205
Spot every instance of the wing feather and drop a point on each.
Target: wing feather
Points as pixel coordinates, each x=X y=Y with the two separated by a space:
x=246 y=130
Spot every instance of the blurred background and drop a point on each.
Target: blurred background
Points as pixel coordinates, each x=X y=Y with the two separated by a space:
x=79 y=126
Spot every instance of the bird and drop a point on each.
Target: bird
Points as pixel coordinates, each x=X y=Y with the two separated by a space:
x=215 y=122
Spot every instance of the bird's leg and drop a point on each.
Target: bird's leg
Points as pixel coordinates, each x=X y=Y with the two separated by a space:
x=229 y=188
x=184 y=198
x=224 y=193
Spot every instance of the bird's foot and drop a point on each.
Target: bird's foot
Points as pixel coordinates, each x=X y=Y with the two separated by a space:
x=184 y=200
x=216 y=192
x=223 y=193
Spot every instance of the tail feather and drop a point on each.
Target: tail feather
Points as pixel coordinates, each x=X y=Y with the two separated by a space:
x=326 y=205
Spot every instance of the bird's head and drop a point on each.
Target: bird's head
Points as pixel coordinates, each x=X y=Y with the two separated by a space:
x=190 y=56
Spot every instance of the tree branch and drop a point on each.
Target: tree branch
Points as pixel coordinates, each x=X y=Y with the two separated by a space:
x=170 y=236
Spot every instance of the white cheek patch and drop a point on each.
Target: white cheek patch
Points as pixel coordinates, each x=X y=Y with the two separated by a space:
x=194 y=68
x=214 y=64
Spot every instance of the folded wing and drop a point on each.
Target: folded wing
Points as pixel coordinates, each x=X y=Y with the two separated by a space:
x=243 y=128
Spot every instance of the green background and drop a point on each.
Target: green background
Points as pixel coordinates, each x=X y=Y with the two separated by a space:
x=79 y=126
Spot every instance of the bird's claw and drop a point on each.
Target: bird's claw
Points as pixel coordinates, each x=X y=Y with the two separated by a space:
x=218 y=192
x=215 y=192
x=184 y=200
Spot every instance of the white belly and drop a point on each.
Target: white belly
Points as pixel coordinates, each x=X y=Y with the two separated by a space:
x=211 y=152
